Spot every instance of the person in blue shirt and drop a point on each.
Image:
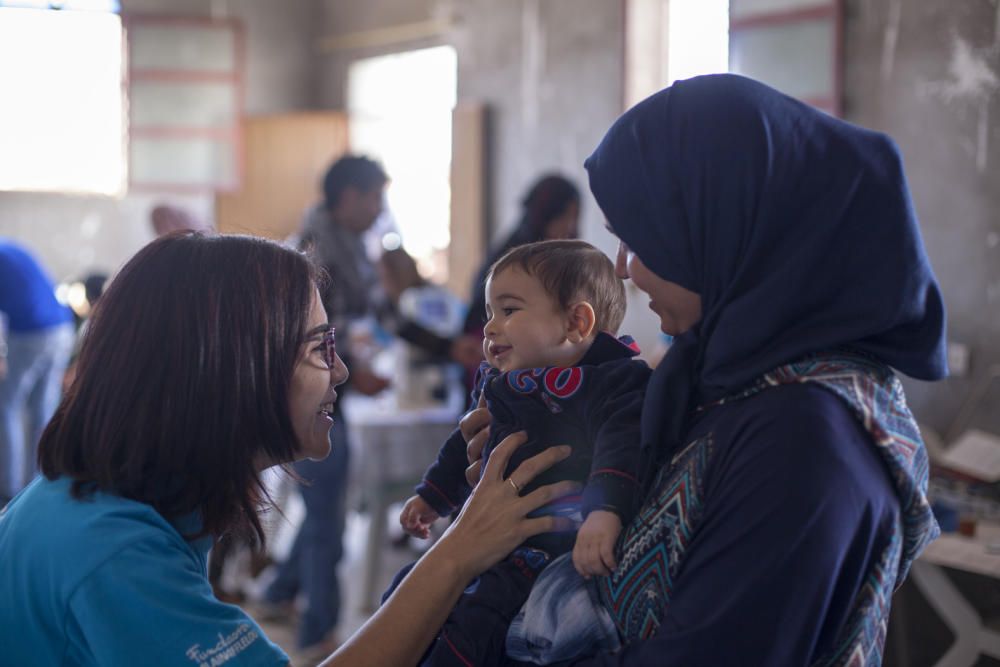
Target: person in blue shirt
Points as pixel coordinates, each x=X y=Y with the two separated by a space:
x=208 y=359
x=39 y=339
x=786 y=485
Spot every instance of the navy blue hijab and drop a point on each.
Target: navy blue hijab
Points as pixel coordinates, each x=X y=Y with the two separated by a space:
x=795 y=228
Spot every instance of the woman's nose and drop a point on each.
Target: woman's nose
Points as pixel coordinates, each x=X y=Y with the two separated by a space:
x=339 y=373
x=621 y=262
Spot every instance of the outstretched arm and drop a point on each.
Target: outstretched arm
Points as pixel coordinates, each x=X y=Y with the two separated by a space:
x=492 y=523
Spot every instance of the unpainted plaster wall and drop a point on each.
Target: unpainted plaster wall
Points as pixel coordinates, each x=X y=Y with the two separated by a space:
x=550 y=73
x=927 y=72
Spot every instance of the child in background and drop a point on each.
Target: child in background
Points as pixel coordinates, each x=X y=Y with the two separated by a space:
x=555 y=370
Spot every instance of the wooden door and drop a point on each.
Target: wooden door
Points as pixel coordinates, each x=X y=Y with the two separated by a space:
x=285 y=158
x=469 y=196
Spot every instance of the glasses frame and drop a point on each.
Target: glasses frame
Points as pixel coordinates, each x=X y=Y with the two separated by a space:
x=329 y=346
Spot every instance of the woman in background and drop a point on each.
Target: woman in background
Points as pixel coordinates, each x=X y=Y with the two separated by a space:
x=785 y=497
x=550 y=210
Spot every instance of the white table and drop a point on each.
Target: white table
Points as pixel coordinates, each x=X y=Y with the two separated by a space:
x=972 y=637
x=392 y=448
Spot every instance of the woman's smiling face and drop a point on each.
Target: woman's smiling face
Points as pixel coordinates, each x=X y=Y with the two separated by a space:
x=678 y=308
x=312 y=392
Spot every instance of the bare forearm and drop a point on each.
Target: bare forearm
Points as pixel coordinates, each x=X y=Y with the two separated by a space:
x=402 y=629
x=491 y=524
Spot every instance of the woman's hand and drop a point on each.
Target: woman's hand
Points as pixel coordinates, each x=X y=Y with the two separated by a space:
x=494 y=519
x=466 y=351
x=492 y=523
x=475 y=428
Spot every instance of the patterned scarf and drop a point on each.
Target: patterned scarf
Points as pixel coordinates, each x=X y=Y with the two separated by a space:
x=638 y=593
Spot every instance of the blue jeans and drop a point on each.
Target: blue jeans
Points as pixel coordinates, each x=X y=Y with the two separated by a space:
x=29 y=395
x=476 y=629
x=311 y=566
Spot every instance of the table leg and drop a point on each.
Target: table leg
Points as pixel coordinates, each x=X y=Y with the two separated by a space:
x=378 y=507
x=954 y=610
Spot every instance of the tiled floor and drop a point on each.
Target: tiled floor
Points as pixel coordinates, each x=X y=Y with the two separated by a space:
x=353 y=613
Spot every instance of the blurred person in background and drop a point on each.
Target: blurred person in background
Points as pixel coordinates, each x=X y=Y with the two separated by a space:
x=39 y=339
x=427 y=318
x=333 y=234
x=167 y=218
x=549 y=211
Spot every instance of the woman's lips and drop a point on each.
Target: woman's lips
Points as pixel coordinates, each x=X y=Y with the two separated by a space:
x=326 y=409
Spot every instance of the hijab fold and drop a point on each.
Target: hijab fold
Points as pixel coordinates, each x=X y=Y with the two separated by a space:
x=795 y=228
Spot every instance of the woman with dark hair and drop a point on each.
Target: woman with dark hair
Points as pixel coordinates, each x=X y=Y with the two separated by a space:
x=208 y=359
x=550 y=210
x=786 y=478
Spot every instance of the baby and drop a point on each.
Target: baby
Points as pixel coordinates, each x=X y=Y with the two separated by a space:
x=555 y=370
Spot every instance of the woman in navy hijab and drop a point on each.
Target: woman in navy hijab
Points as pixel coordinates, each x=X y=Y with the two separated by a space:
x=787 y=494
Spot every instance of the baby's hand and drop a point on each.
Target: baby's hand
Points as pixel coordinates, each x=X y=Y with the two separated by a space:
x=417 y=517
x=594 y=552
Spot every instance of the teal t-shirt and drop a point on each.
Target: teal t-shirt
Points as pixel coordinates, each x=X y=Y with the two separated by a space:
x=108 y=581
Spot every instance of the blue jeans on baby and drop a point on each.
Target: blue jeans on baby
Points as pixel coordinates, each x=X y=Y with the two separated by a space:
x=562 y=619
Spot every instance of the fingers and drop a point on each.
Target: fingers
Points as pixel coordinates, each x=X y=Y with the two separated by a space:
x=474 y=420
x=546 y=524
x=607 y=554
x=473 y=471
x=475 y=446
x=407 y=520
x=546 y=494
x=467 y=351
x=475 y=428
x=415 y=526
x=588 y=559
x=501 y=456
x=529 y=468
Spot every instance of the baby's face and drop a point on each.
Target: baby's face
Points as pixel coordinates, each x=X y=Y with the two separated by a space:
x=525 y=326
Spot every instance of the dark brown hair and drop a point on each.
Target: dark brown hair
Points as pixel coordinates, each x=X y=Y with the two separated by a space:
x=182 y=380
x=355 y=171
x=571 y=271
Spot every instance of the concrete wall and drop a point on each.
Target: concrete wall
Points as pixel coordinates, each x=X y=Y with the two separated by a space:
x=341 y=19
x=76 y=234
x=550 y=72
x=925 y=71
x=928 y=73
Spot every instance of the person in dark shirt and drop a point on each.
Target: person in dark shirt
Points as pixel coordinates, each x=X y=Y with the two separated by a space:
x=555 y=369
x=785 y=495
x=550 y=211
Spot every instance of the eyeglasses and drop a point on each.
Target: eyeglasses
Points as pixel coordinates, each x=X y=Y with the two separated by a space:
x=328 y=347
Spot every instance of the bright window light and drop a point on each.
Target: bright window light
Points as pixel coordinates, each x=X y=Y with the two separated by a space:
x=698 y=38
x=61 y=121
x=400 y=108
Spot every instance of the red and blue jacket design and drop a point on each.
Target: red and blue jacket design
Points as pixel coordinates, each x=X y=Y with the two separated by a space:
x=594 y=407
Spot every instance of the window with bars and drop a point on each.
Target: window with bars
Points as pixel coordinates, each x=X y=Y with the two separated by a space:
x=185 y=80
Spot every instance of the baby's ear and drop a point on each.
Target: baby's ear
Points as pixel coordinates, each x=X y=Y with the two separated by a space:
x=581 y=321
